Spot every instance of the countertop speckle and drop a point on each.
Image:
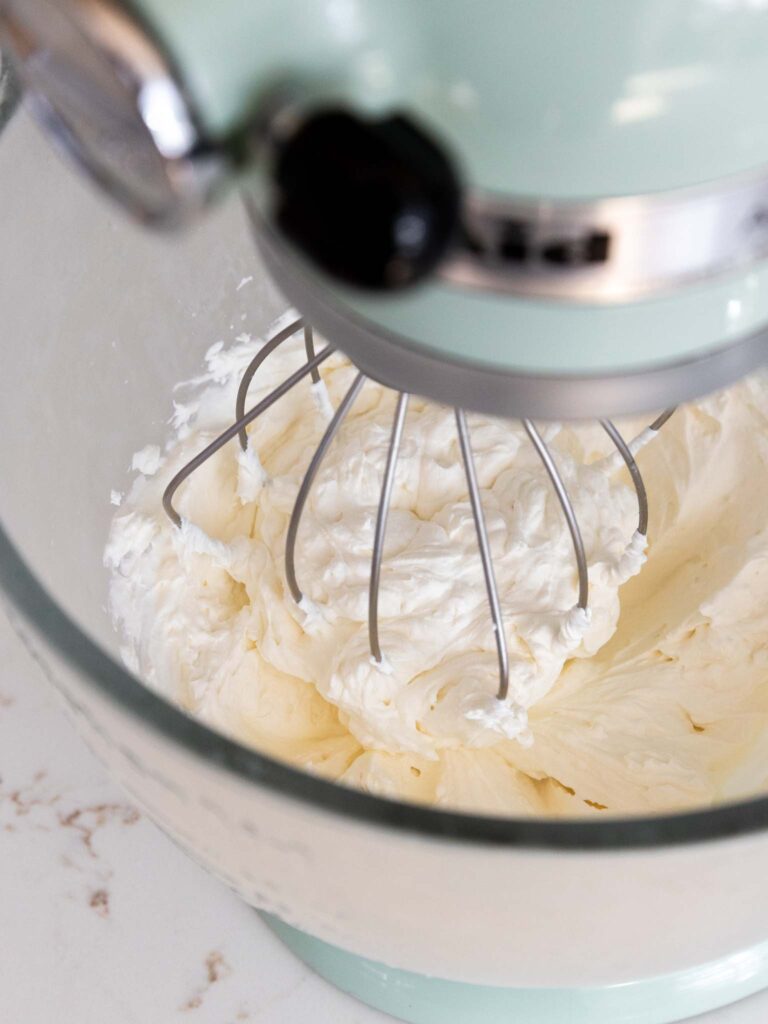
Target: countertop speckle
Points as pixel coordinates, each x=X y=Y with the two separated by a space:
x=104 y=919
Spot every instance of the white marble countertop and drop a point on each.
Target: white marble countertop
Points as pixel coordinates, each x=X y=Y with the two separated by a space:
x=103 y=919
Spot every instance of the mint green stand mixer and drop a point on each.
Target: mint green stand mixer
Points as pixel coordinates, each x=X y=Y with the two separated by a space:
x=530 y=210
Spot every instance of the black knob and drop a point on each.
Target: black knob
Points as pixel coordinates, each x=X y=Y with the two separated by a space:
x=372 y=203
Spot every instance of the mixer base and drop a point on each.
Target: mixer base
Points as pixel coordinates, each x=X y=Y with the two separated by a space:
x=418 y=999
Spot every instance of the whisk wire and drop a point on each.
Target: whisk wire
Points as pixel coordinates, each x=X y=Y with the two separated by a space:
x=264 y=352
x=567 y=506
x=660 y=420
x=485 y=553
x=309 y=346
x=236 y=429
x=381 y=524
x=634 y=471
x=309 y=478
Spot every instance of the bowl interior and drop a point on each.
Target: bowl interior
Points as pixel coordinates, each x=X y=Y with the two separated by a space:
x=99 y=320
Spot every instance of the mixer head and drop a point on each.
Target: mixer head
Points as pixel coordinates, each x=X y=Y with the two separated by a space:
x=560 y=214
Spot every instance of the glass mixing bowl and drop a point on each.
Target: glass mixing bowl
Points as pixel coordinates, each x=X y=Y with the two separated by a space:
x=631 y=920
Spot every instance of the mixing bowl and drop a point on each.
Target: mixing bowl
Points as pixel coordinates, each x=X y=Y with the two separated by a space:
x=476 y=919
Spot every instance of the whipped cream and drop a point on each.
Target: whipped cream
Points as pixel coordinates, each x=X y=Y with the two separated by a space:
x=207 y=618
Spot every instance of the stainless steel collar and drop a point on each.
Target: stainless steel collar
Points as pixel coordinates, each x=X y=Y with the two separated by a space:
x=611 y=250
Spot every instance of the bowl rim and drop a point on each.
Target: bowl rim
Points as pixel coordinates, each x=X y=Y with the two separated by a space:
x=29 y=598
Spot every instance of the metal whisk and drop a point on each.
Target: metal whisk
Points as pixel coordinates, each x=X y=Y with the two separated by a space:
x=311 y=368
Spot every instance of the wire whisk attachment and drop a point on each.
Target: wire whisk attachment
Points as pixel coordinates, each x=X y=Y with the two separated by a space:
x=311 y=369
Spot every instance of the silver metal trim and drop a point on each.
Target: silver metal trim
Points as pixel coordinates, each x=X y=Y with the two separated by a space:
x=611 y=250
x=397 y=362
x=108 y=94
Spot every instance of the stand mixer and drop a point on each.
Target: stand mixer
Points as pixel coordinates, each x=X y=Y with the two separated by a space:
x=458 y=218
x=587 y=241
